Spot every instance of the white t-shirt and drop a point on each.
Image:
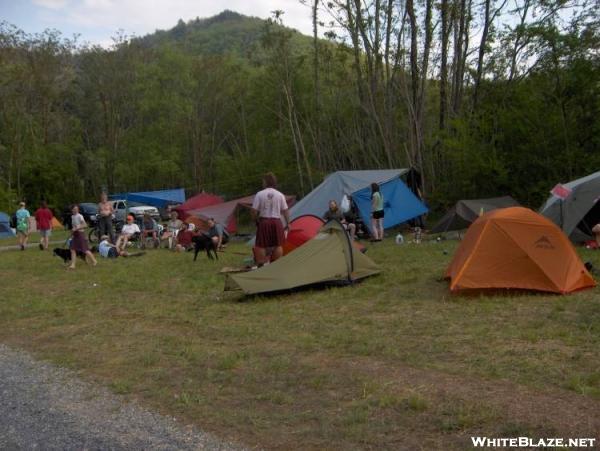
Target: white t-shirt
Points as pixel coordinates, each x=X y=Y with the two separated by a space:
x=77 y=220
x=269 y=203
x=130 y=229
x=103 y=248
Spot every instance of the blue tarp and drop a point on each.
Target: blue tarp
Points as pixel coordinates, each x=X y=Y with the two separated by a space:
x=399 y=203
x=158 y=199
x=5 y=230
x=400 y=206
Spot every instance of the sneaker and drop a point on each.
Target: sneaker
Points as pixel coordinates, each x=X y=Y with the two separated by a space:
x=22 y=247
x=41 y=247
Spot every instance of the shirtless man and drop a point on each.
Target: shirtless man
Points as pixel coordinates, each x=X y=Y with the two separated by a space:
x=105 y=213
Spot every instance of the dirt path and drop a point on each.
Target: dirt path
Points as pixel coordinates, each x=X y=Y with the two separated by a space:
x=45 y=407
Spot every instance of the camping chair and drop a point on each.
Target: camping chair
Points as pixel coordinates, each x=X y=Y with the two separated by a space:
x=147 y=235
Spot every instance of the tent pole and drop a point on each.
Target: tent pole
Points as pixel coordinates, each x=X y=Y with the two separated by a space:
x=561 y=215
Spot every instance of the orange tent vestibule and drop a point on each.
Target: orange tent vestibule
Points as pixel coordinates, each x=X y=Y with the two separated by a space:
x=520 y=249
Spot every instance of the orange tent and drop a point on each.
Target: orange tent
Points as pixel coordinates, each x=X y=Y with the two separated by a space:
x=56 y=225
x=517 y=248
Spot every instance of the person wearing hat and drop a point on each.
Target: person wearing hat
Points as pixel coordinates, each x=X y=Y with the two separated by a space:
x=128 y=231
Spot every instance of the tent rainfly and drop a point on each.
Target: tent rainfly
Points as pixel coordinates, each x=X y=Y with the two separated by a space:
x=5 y=230
x=519 y=249
x=400 y=204
x=196 y=202
x=580 y=211
x=225 y=213
x=300 y=231
x=329 y=257
x=466 y=211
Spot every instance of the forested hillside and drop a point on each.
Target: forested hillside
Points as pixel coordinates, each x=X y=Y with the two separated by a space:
x=483 y=98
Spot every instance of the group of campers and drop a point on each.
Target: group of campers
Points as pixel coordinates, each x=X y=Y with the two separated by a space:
x=269 y=211
x=325 y=223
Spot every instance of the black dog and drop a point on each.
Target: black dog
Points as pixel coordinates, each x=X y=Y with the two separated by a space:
x=65 y=254
x=204 y=242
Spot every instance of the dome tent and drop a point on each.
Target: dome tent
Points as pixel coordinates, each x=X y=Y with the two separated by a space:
x=517 y=248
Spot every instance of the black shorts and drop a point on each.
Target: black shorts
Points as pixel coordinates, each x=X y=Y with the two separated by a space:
x=378 y=214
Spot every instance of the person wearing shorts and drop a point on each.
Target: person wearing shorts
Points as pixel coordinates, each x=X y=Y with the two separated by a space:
x=217 y=233
x=43 y=219
x=106 y=249
x=173 y=227
x=127 y=232
x=268 y=208
x=22 y=215
x=377 y=212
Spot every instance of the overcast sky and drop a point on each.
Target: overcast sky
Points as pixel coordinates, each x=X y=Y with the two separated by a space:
x=97 y=20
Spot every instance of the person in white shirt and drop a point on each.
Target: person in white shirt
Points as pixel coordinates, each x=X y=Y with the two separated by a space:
x=78 y=240
x=268 y=208
x=108 y=250
x=128 y=230
x=173 y=227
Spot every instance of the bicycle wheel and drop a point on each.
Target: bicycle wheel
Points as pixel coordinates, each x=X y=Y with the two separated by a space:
x=94 y=235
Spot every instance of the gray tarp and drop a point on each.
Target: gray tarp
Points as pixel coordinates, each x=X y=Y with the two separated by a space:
x=336 y=185
x=575 y=217
x=466 y=211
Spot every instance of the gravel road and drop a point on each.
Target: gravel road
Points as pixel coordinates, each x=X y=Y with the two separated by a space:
x=43 y=407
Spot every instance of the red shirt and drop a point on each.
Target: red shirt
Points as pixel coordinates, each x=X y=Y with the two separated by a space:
x=43 y=217
x=185 y=237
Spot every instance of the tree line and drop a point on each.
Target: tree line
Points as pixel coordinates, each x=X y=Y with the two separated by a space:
x=483 y=98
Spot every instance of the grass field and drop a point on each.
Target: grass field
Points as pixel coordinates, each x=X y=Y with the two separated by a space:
x=393 y=362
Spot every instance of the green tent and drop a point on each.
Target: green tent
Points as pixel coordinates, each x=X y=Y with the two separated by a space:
x=329 y=257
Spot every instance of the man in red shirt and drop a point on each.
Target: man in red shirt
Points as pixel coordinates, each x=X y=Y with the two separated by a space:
x=43 y=219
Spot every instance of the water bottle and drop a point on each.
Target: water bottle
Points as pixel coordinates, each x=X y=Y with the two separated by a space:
x=418 y=235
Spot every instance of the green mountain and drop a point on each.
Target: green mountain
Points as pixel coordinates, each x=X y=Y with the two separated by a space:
x=226 y=33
